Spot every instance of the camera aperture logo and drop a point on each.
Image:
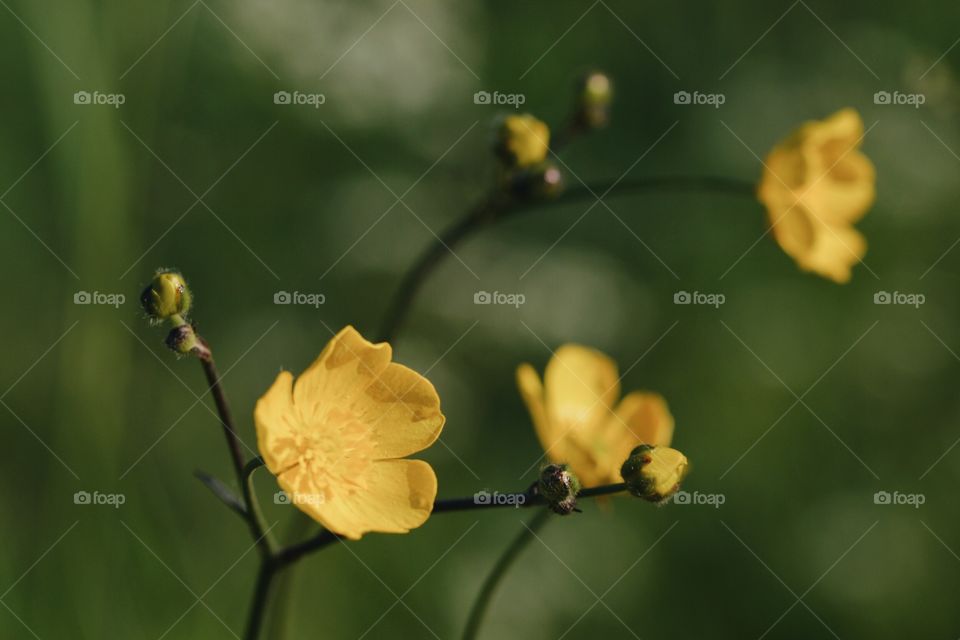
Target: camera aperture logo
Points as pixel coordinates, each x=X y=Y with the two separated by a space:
x=714 y=100
x=896 y=498
x=282 y=497
x=515 y=500
x=897 y=98
x=96 y=498
x=500 y=99
x=298 y=297
x=498 y=297
x=696 y=498
x=900 y=298
x=99 y=99
x=697 y=297
x=299 y=98
x=97 y=297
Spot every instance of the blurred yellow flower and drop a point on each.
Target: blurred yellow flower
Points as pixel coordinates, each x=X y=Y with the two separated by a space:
x=336 y=439
x=523 y=140
x=575 y=418
x=816 y=184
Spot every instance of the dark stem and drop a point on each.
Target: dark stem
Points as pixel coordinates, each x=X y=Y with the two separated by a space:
x=485 y=212
x=223 y=409
x=294 y=552
x=261 y=596
x=499 y=571
x=520 y=500
x=497 y=206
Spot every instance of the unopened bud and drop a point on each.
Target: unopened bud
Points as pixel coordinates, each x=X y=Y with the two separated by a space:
x=522 y=141
x=654 y=473
x=166 y=296
x=559 y=487
x=594 y=95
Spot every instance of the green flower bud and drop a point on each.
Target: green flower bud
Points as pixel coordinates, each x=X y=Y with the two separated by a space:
x=559 y=487
x=654 y=473
x=166 y=297
x=594 y=95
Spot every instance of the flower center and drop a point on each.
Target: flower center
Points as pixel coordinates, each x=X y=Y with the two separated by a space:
x=333 y=451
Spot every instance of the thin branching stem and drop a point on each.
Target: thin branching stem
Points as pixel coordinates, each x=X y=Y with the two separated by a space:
x=500 y=569
x=498 y=205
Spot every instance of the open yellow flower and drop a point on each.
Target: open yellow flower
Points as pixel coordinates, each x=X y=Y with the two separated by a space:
x=816 y=184
x=575 y=418
x=335 y=440
x=523 y=140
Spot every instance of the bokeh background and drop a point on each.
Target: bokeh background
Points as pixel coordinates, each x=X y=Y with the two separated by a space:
x=199 y=169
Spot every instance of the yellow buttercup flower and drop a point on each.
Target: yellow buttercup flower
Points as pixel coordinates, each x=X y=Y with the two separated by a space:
x=336 y=439
x=575 y=418
x=816 y=184
x=523 y=141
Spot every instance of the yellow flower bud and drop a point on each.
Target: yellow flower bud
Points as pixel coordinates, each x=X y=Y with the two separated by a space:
x=522 y=141
x=559 y=487
x=654 y=473
x=166 y=296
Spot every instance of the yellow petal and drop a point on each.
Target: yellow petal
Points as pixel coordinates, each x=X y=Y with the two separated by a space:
x=403 y=410
x=834 y=252
x=640 y=418
x=793 y=228
x=531 y=390
x=847 y=191
x=557 y=444
x=398 y=496
x=815 y=185
x=345 y=368
x=276 y=424
x=581 y=386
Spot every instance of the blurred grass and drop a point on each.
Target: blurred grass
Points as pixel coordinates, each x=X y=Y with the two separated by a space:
x=199 y=99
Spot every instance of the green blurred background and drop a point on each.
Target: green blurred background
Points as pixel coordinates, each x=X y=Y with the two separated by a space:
x=97 y=197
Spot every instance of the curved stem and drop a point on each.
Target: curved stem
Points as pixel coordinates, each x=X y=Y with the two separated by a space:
x=498 y=205
x=512 y=552
x=485 y=212
x=254 y=514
